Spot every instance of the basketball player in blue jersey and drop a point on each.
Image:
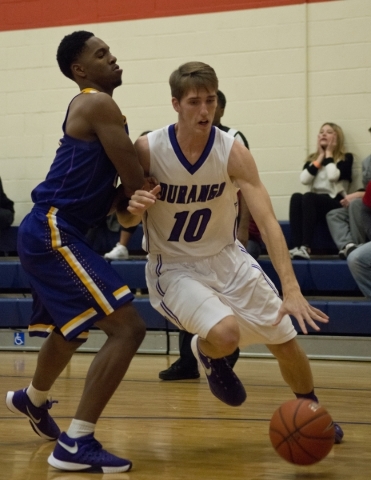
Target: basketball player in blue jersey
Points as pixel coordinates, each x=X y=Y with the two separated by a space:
x=198 y=275
x=74 y=288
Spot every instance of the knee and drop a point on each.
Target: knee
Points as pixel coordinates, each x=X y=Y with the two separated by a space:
x=225 y=336
x=61 y=346
x=138 y=329
x=355 y=206
x=296 y=198
x=330 y=215
x=309 y=197
x=354 y=260
x=125 y=323
x=351 y=260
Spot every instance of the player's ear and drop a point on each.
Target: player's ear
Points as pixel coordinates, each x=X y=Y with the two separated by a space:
x=175 y=103
x=78 y=70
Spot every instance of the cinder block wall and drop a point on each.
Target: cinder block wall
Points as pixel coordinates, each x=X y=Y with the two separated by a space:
x=284 y=69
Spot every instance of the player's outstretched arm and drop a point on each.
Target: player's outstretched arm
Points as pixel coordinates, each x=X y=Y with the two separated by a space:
x=242 y=168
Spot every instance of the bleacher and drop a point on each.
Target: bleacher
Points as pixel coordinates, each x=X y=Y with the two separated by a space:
x=325 y=280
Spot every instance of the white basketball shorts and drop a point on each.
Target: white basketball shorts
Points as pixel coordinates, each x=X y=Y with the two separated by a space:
x=196 y=294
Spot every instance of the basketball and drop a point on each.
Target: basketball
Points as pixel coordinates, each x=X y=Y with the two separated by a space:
x=302 y=431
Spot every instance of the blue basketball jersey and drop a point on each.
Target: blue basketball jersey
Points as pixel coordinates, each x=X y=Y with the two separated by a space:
x=80 y=174
x=72 y=286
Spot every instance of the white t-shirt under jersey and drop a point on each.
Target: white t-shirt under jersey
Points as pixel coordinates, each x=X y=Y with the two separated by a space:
x=197 y=211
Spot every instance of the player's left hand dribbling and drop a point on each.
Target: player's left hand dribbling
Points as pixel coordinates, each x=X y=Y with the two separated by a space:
x=303 y=312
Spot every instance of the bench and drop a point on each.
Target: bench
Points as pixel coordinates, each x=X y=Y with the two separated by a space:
x=348 y=316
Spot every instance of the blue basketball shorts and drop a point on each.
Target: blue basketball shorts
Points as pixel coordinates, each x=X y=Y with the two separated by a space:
x=72 y=286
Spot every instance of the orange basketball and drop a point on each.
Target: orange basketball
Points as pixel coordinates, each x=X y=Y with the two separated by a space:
x=302 y=431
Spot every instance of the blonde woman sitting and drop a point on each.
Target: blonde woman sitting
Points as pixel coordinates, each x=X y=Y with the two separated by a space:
x=327 y=173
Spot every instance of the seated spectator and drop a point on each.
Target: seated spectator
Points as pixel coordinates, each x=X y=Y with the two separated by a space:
x=345 y=223
x=6 y=210
x=359 y=261
x=328 y=173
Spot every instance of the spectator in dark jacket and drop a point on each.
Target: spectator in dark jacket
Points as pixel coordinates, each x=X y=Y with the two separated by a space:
x=6 y=210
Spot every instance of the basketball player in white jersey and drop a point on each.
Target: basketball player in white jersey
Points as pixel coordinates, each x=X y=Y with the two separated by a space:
x=199 y=276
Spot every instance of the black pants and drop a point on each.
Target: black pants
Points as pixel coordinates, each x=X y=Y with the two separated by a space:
x=6 y=218
x=306 y=210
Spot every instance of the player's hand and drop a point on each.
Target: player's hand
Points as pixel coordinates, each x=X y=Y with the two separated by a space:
x=297 y=306
x=150 y=183
x=141 y=200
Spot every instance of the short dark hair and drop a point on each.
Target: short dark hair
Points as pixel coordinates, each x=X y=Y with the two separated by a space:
x=222 y=101
x=69 y=50
x=192 y=75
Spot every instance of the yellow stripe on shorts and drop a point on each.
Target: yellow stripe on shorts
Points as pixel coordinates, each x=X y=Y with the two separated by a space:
x=75 y=264
x=77 y=321
x=121 y=292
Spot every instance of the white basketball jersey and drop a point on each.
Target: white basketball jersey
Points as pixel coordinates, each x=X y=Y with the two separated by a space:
x=197 y=212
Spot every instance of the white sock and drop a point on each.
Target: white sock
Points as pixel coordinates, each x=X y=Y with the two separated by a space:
x=79 y=428
x=37 y=397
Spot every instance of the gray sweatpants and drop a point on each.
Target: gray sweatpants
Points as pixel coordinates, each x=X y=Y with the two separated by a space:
x=345 y=224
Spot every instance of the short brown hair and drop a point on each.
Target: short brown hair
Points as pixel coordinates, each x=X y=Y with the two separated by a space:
x=192 y=75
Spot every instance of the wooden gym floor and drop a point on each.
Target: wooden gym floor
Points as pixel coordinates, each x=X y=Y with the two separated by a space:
x=179 y=431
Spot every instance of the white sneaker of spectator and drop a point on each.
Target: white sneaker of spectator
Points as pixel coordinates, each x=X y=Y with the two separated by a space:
x=301 y=254
x=119 y=252
x=293 y=251
x=345 y=251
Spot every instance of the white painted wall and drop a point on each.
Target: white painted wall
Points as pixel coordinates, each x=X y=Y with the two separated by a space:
x=284 y=70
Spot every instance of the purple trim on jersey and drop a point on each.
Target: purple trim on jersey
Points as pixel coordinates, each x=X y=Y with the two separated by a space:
x=171 y=314
x=178 y=152
x=242 y=248
x=267 y=279
x=159 y=265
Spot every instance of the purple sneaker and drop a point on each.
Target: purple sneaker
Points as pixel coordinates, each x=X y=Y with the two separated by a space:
x=223 y=382
x=85 y=454
x=40 y=420
x=339 y=434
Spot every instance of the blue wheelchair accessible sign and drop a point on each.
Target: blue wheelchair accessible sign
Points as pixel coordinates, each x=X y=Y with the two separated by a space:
x=19 y=338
